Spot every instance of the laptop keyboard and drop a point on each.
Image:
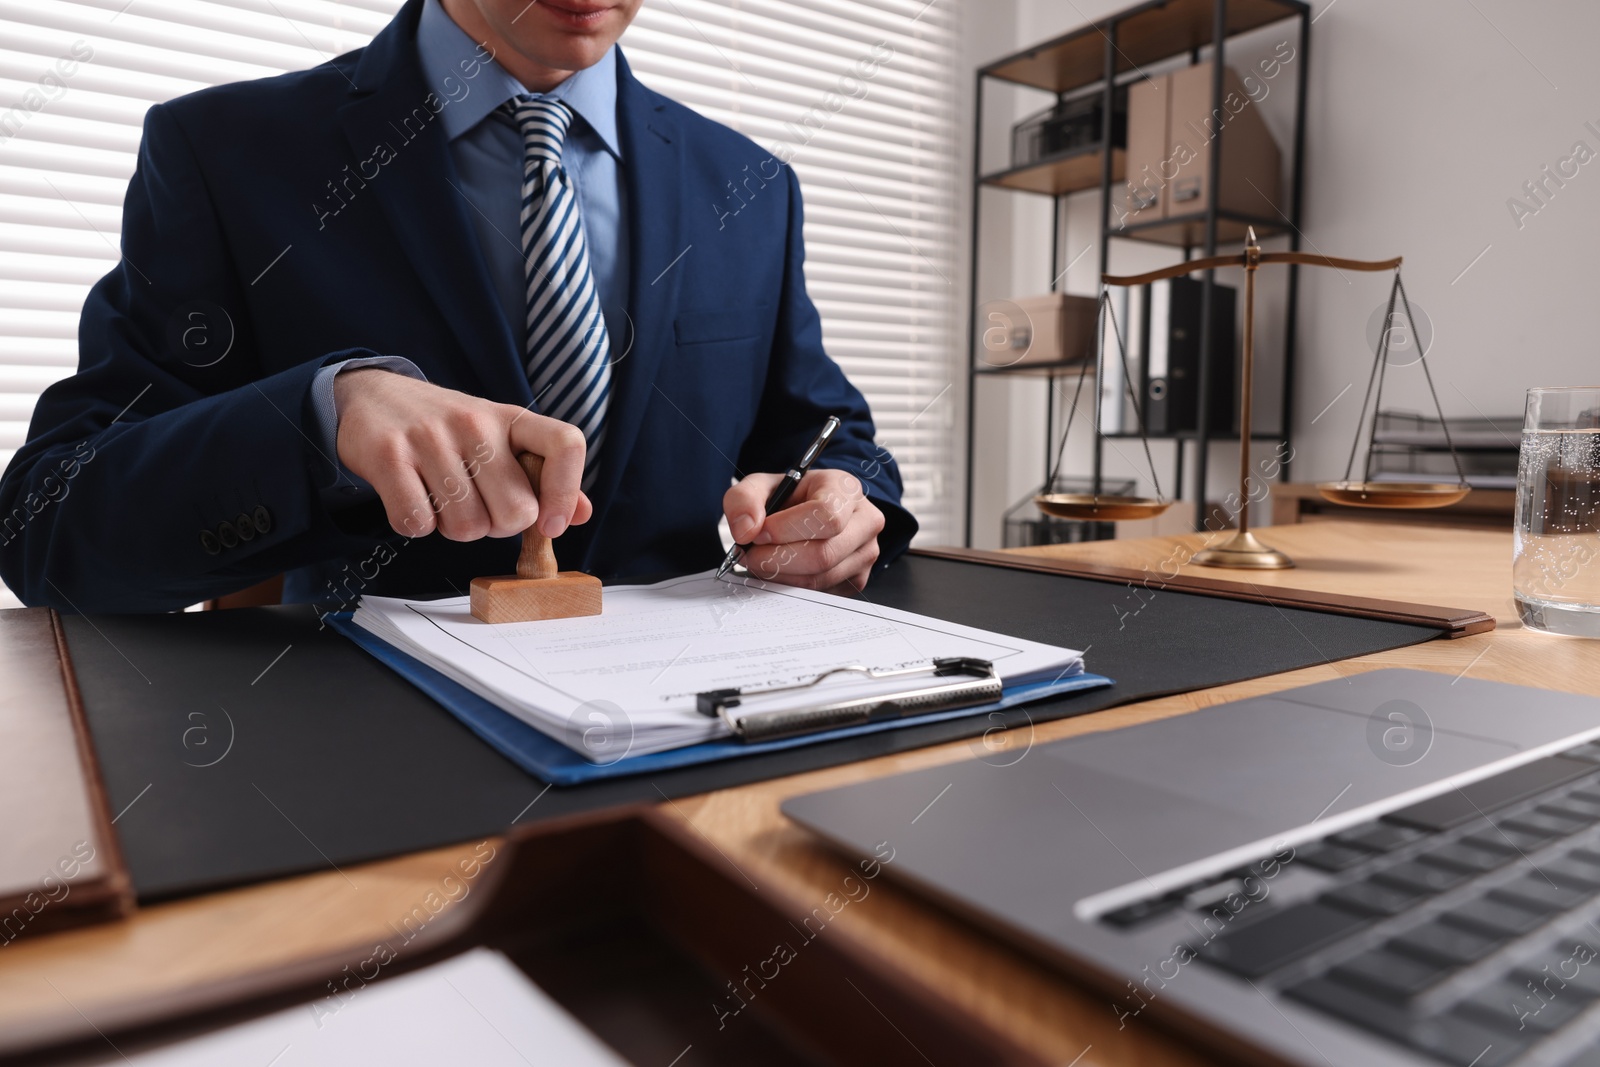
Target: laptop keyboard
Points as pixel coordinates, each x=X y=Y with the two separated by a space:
x=1465 y=927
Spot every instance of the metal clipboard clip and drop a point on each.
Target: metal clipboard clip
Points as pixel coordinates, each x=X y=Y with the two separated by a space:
x=954 y=682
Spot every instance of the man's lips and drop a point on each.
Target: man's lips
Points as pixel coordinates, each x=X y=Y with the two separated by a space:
x=576 y=14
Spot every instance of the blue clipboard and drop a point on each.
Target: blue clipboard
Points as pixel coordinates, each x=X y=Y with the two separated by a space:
x=551 y=761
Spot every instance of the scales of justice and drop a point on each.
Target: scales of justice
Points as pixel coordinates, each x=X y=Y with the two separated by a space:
x=1244 y=550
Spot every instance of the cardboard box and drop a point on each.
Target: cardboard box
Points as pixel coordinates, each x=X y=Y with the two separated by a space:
x=1172 y=133
x=1055 y=328
x=1147 y=147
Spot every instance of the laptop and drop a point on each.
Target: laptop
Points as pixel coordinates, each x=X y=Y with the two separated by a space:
x=1395 y=868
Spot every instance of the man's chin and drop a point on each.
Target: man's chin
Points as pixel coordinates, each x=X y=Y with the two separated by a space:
x=560 y=48
x=567 y=61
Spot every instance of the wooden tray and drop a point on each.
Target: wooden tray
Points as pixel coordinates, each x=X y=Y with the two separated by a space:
x=656 y=943
x=60 y=863
x=1453 y=622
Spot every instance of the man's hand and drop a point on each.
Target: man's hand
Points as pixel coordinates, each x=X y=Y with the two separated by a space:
x=439 y=458
x=826 y=538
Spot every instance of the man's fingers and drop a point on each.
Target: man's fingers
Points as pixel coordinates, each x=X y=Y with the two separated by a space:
x=848 y=576
x=561 y=445
x=800 y=560
x=405 y=501
x=461 y=512
x=509 y=497
x=822 y=512
x=506 y=494
x=805 y=556
x=774 y=563
x=442 y=460
x=822 y=504
x=745 y=505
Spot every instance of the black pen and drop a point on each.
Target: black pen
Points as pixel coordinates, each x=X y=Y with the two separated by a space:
x=781 y=492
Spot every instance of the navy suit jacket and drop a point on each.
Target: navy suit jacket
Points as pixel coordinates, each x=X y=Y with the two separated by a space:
x=183 y=462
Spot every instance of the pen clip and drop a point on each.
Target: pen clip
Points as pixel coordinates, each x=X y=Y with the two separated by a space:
x=819 y=444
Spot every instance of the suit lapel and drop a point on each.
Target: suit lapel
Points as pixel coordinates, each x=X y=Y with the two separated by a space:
x=418 y=189
x=421 y=198
x=652 y=155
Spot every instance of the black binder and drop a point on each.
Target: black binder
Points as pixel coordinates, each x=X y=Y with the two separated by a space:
x=1171 y=357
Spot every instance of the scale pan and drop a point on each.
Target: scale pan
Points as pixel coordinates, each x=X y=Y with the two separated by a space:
x=1393 y=494
x=1103 y=508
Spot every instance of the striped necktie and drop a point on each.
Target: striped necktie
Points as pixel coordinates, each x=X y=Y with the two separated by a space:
x=567 y=347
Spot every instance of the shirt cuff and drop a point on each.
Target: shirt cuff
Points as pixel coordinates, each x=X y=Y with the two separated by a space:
x=347 y=487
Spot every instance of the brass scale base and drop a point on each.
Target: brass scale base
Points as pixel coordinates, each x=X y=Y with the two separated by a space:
x=1244 y=551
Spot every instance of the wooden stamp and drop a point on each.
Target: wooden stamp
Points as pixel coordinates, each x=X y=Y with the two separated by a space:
x=537 y=590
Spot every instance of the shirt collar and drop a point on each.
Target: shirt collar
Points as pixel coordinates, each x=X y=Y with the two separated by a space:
x=472 y=86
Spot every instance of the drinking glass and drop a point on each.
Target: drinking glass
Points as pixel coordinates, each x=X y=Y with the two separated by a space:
x=1555 y=569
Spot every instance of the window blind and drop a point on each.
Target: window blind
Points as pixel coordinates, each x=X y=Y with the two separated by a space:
x=857 y=96
x=76 y=77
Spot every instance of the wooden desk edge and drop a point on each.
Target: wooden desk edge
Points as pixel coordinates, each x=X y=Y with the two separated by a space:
x=231 y=997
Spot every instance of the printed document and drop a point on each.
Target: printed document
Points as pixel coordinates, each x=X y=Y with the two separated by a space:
x=629 y=676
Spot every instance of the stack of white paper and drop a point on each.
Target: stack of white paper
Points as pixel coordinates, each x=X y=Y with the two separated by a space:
x=624 y=682
x=475 y=1008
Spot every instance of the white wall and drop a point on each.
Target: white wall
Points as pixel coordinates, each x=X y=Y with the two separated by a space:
x=1423 y=120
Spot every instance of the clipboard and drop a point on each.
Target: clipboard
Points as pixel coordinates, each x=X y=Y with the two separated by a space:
x=943 y=685
x=553 y=762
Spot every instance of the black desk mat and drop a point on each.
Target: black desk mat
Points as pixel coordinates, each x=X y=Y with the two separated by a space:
x=251 y=744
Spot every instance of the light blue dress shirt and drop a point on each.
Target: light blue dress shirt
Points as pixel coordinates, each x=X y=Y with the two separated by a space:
x=486 y=148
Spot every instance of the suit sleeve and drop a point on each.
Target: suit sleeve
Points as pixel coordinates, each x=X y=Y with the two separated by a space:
x=805 y=386
x=170 y=468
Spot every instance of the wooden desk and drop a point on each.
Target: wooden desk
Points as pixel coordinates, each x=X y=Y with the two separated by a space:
x=1489 y=509
x=183 y=949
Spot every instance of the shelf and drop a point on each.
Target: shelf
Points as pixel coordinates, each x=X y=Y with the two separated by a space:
x=1056 y=369
x=1070 y=172
x=1154 y=32
x=1148 y=38
x=1464 y=441
x=1191 y=435
x=1190 y=230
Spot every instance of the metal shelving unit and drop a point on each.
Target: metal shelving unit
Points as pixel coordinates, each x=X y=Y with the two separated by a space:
x=1112 y=53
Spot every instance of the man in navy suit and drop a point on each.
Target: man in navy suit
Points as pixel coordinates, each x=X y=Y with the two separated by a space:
x=350 y=296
